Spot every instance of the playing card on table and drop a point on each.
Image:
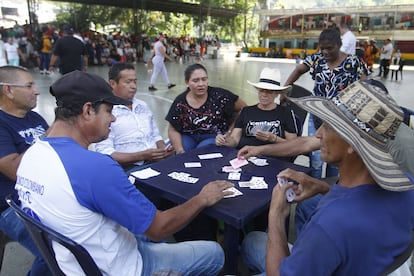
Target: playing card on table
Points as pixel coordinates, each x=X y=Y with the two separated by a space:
x=234 y=176
x=237 y=162
x=258 y=161
x=210 y=155
x=183 y=177
x=145 y=173
x=192 y=164
x=258 y=183
x=234 y=191
x=245 y=184
x=229 y=169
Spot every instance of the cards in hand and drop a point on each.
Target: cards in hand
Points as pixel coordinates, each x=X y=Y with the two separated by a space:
x=290 y=194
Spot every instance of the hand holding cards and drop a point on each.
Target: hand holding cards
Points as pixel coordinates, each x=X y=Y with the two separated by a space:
x=290 y=194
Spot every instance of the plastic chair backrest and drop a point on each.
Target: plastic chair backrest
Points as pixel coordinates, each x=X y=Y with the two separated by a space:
x=43 y=237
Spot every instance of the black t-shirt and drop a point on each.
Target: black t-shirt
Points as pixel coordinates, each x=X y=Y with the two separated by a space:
x=70 y=51
x=276 y=121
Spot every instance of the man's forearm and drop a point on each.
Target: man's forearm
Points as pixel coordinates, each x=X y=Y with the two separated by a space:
x=291 y=147
x=174 y=219
x=277 y=245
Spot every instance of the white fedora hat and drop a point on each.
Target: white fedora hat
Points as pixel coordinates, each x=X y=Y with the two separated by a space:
x=269 y=79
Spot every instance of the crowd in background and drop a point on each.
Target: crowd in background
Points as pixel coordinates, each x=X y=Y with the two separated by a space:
x=35 y=48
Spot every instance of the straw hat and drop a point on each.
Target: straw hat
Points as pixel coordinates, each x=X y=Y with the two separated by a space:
x=269 y=79
x=368 y=119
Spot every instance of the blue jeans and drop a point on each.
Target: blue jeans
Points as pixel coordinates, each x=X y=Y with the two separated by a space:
x=253 y=251
x=11 y=225
x=44 y=61
x=197 y=140
x=183 y=258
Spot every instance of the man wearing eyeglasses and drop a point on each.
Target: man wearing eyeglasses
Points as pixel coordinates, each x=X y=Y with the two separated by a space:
x=20 y=127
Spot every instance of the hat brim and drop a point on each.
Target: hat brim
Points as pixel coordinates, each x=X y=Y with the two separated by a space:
x=116 y=100
x=268 y=86
x=375 y=156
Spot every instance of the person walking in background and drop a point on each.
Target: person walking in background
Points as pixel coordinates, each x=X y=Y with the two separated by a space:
x=385 y=58
x=157 y=60
x=348 y=39
x=13 y=52
x=45 y=53
x=71 y=53
x=146 y=48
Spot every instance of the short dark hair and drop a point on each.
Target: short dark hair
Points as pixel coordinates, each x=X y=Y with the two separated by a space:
x=117 y=68
x=191 y=68
x=68 y=113
x=331 y=34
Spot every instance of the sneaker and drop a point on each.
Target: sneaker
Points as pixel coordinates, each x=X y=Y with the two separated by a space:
x=171 y=85
x=152 y=88
x=42 y=72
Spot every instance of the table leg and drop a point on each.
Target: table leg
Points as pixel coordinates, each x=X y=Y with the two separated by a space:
x=231 y=248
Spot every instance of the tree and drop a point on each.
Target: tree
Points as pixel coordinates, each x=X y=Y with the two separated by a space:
x=152 y=22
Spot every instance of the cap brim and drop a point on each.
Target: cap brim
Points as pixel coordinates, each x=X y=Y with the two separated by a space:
x=375 y=156
x=116 y=100
x=269 y=86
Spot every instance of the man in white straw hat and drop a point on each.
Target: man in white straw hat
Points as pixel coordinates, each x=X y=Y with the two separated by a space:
x=265 y=122
x=366 y=219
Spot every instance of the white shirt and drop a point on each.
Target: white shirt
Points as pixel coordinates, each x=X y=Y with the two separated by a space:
x=133 y=131
x=11 y=50
x=386 y=51
x=348 y=43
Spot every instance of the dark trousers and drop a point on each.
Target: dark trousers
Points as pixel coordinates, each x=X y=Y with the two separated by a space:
x=385 y=67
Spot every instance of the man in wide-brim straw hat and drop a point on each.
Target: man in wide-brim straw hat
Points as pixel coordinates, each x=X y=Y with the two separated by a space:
x=366 y=219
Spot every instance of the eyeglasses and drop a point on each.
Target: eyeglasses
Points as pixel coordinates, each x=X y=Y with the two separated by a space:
x=28 y=85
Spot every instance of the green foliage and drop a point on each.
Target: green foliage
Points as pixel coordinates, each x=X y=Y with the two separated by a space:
x=237 y=29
